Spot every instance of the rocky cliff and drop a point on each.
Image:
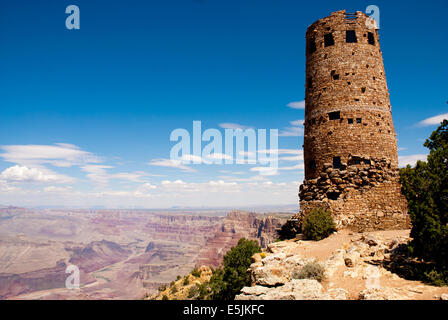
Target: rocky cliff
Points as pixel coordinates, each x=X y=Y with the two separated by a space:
x=120 y=253
x=237 y=225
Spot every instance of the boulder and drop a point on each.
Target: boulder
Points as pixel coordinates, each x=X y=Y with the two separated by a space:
x=351 y=258
x=270 y=275
x=370 y=240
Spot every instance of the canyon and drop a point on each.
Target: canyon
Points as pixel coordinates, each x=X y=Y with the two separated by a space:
x=121 y=254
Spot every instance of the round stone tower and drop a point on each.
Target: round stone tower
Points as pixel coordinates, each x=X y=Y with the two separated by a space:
x=350 y=149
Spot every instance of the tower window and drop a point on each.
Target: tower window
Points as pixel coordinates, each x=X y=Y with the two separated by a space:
x=371 y=38
x=328 y=40
x=312 y=164
x=350 y=120
x=333 y=195
x=350 y=36
x=358 y=120
x=363 y=90
x=337 y=162
x=334 y=75
x=311 y=46
x=334 y=115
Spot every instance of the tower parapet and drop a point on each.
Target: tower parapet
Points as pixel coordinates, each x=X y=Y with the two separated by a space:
x=350 y=149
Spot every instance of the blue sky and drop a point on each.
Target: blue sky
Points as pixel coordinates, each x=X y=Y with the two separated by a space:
x=86 y=114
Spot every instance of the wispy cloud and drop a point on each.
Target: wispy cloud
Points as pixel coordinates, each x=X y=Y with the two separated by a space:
x=297 y=105
x=433 y=121
x=170 y=164
x=281 y=151
x=59 y=155
x=296 y=131
x=234 y=126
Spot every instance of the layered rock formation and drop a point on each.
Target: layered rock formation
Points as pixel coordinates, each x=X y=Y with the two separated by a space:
x=120 y=253
x=237 y=225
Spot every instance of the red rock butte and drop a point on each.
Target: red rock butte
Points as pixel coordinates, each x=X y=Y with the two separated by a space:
x=350 y=148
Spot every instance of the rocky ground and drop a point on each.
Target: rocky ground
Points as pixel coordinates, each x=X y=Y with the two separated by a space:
x=357 y=267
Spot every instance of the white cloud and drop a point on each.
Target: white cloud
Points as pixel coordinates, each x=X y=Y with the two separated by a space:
x=292 y=158
x=53 y=189
x=281 y=151
x=296 y=131
x=144 y=189
x=170 y=164
x=291 y=132
x=433 y=121
x=213 y=193
x=297 y=105
x=24 y=174
x=98 y=174
x=273 y=171
x=177 y=182
x=297 y=123
x=4 y=187
x=59 y=155
x=219 y=156
x=412 y=159
x=34 y=159
x=234 y=126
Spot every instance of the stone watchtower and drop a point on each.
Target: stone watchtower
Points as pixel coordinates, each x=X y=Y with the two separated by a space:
x=350 y=149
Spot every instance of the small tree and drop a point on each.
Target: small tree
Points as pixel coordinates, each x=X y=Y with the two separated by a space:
x=289 y=230
x=226 y=282
x=318 y=224
x=426 y=189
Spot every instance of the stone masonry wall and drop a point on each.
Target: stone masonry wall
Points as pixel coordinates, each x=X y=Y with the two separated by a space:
x=350 y=149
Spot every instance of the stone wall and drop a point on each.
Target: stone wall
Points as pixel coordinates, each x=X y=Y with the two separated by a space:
x=350 y=149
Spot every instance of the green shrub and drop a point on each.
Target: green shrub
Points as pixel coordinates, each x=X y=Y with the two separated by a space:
x=312 y=270
x=425 y=186
x=204 y=291
x=186 y=281
x=289 y=230
x=318 y=224
x=226 y=282
x=162 y=288
x=178 y=278
x=165 y=297
x=196 y=273
x=174 y=290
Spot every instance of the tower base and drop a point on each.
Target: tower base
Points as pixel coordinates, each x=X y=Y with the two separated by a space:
x=359 y=198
